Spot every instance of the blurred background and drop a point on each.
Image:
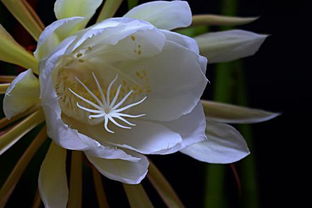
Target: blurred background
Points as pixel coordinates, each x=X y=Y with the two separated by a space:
x=276 y=79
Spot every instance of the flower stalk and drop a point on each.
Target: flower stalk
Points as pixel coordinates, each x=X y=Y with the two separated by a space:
x=223 y=92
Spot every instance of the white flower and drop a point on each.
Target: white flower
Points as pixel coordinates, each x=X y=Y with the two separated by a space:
x=122 y=88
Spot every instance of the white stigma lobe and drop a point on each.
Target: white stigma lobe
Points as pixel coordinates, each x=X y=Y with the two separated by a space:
x=106 y=108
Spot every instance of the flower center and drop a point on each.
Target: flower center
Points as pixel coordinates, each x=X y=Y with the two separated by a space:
x=106 y=108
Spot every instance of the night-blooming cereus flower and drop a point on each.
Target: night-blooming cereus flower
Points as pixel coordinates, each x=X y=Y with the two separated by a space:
x=123 y=88
x=118 y=90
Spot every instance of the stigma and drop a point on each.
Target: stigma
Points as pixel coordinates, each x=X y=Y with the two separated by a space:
x=107 y=106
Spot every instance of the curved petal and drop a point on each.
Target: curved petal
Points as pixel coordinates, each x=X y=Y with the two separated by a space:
x=121 y=170
x=176 y=82
x=229 y=45
x=224 y=144
x=22 y=94
x=182 y=40
x=58 y=130
x=55 y=33
x=146 y=137
x=111 y=31
x=191 y=127
x=188 y=43
x=69 y=8
x=138 y=44
x=163 y=14
x=228 y=113
x=52 y=181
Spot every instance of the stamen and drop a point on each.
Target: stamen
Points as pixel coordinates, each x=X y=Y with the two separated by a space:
x=106 y=109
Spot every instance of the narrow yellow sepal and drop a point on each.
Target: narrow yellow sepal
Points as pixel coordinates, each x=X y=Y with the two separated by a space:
x=9 y=138
x=137 y=196
x=99 y=189
x=75 y=185
x=219 y=20
x=3 y=88
x=163 y=187
x=15 y=175
x=14 y=53
x=6 y=79
x=23 y=12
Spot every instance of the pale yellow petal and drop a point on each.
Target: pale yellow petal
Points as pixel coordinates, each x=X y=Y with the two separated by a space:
x=235 y=114
x=75 y=8
x=14 y=53
x=22 y=94
x=23 y=12
x=52 y=181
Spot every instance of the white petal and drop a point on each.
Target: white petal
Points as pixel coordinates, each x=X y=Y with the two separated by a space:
x=163 y=14
x=121 y=170
x=70 y=8
x=138 y=44
x=191 y=127
x=228 y=113
x=63 y=134
x=22 y=94
x=146 y=137
x=109 y=32
x=55 y=33
x=229 y=45
x=182 y=40
x=52 y=181
x=176 y=83
x=188 y=43
x=224 y=144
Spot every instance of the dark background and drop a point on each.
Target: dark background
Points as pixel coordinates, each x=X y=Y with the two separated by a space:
x=278 y=79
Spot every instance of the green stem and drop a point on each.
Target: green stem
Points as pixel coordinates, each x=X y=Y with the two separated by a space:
x=109 y=9
x=248 y=166
x=230 y=86
x=224 y=91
